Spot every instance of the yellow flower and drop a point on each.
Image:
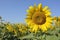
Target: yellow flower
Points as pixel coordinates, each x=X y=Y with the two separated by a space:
x=52 y=27
x=57 y=21
x=9 y=27
x=38 y=18
x=18 y=25
x=21 y=27
x=55 y=18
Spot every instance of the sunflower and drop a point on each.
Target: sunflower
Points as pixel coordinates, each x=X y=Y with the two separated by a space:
x=57 y=21
x=21 y=27
x=9 y=27
x=38 y=18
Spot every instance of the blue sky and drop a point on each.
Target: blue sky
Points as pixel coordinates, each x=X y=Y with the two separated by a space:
x=14 y=11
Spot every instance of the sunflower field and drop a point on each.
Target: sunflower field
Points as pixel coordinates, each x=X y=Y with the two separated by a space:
x=40 y=25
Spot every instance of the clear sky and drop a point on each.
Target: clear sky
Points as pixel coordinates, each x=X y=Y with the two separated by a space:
x=15 y=10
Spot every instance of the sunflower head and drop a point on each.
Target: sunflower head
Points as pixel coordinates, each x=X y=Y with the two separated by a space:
x=9 y=27
x=38 y=18
x=21 y=27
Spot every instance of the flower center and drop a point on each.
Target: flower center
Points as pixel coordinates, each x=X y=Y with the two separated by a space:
x=39 y=18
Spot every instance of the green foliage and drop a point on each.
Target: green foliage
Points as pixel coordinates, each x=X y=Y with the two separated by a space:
x=25 y=34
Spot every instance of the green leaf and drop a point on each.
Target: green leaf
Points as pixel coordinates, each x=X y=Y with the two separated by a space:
x=51 y=37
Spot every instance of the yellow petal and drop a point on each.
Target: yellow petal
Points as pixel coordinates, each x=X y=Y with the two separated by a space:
x=47 y=25
x=39 y=26
x=31 y=7
x=45 y=8
x=40 y=6
x=43 y=28
x=49 y=19
x=29 y=14
x=47 y=12
x=29 y=23
x=29 y=17
x=27 y=11
x=35 y=28
x=27 y=20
